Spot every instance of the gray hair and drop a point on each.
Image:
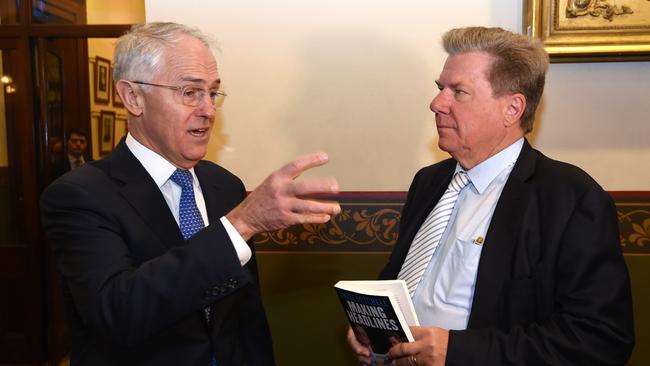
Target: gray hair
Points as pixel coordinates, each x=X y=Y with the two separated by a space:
x=139 y=51
x=519 y=63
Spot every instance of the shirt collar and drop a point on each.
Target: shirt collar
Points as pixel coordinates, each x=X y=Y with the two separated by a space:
x=483 y=174
x=158 y=167
x=72 y=158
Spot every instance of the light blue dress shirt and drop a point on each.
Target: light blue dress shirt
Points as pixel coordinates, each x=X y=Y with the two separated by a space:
x=444 y=296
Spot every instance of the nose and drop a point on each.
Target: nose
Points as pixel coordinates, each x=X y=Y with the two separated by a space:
x=206 y=107
x=439 y=103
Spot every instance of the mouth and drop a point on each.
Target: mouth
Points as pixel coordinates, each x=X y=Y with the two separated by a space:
x=199 y=132
x=440 y=124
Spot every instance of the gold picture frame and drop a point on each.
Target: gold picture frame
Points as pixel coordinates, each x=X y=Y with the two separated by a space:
x=102 y=80
x=591 y=30
x=106 y=132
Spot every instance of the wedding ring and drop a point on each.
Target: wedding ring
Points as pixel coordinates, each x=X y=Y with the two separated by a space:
x=413 y=361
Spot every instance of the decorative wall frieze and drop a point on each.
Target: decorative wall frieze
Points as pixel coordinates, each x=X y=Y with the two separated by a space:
x=369 y=223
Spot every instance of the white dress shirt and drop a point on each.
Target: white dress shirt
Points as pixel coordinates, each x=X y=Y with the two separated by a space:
x=160 y=170
x=72 y=159
x=444 y=296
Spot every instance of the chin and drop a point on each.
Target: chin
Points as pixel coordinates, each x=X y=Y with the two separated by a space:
x=195 y=155
x=446 y=145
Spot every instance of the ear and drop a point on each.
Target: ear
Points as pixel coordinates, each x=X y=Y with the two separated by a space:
x=514 y=108
x=131 y=97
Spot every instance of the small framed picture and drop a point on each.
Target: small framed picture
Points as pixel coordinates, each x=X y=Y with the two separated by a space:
x=106 y=132
x=102 y=80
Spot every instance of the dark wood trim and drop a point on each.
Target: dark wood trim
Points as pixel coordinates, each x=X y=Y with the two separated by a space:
x=629 y=194
x=64 y=31
x=33 y=329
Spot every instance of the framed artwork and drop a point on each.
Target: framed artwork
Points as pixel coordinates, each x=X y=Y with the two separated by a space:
x=117 y=102
x=591 y=30
x=102 y=80
x=106 y=132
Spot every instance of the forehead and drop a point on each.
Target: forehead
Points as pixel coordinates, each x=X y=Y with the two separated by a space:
x=467 y=67
x=77 y=136
x=189 y=60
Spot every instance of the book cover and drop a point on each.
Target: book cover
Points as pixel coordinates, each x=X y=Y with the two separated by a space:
x=379 y=313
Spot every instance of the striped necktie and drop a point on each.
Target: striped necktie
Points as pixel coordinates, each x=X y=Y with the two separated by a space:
x=428 y=236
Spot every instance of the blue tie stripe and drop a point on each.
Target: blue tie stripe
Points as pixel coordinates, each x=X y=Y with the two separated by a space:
x=189 y=216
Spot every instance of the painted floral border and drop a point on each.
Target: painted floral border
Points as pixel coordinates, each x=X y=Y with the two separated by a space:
x=369 y=223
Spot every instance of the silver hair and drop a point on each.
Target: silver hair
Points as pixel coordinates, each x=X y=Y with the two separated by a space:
x=139 y=51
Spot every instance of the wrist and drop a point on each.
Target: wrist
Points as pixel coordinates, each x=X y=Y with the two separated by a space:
x=244 y=230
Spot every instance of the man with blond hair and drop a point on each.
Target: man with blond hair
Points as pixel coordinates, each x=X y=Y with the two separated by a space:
x=511 y=258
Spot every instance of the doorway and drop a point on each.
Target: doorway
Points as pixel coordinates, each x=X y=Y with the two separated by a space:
x=45 y=79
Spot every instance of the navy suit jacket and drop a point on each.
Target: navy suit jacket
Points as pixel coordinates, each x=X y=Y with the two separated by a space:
x=134 y=290
x=552 y=287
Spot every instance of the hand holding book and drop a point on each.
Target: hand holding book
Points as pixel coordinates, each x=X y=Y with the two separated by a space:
x=379 y=313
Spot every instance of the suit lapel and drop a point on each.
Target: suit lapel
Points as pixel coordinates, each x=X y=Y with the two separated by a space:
x=142 y=193
x=429 y=197
x=495 y=262
x=211 y=193
x=426 y=193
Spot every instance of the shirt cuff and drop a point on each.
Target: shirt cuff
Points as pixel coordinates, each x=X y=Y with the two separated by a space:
x=241 y=247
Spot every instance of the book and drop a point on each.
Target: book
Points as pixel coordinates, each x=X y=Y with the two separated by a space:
x=380 y=313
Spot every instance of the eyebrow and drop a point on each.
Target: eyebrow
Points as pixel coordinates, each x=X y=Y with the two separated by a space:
x=199 y=81
x=452 y=85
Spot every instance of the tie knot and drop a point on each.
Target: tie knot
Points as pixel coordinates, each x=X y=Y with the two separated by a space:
x=459 y=181
x=183 y=178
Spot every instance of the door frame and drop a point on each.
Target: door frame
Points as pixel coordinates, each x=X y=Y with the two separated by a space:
x=26 y=262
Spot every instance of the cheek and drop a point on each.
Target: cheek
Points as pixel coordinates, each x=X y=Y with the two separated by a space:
x=473 y=122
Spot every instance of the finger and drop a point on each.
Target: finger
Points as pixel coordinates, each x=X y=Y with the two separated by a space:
x=307 y=219
x=310 y=207
x=403 y=349
x=313 y=186
x=364 y=361
x=396 y=351
x=418 y=332
x=302 y=163
x=360 y=351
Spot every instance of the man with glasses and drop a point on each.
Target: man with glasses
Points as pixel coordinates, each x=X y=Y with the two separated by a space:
x=151 y=241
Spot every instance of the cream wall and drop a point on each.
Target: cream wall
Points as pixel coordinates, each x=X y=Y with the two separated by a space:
x=354 y=78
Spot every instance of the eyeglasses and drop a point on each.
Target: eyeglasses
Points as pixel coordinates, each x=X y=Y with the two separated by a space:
x=191 y=96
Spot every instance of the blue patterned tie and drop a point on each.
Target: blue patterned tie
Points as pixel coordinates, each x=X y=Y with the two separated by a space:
x=189 y=216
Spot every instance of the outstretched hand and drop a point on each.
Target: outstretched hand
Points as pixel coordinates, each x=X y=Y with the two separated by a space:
x=280 y=200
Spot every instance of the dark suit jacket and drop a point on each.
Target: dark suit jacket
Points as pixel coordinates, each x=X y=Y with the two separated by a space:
x=60 y=165
x=134 y=290
x=552 y=287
